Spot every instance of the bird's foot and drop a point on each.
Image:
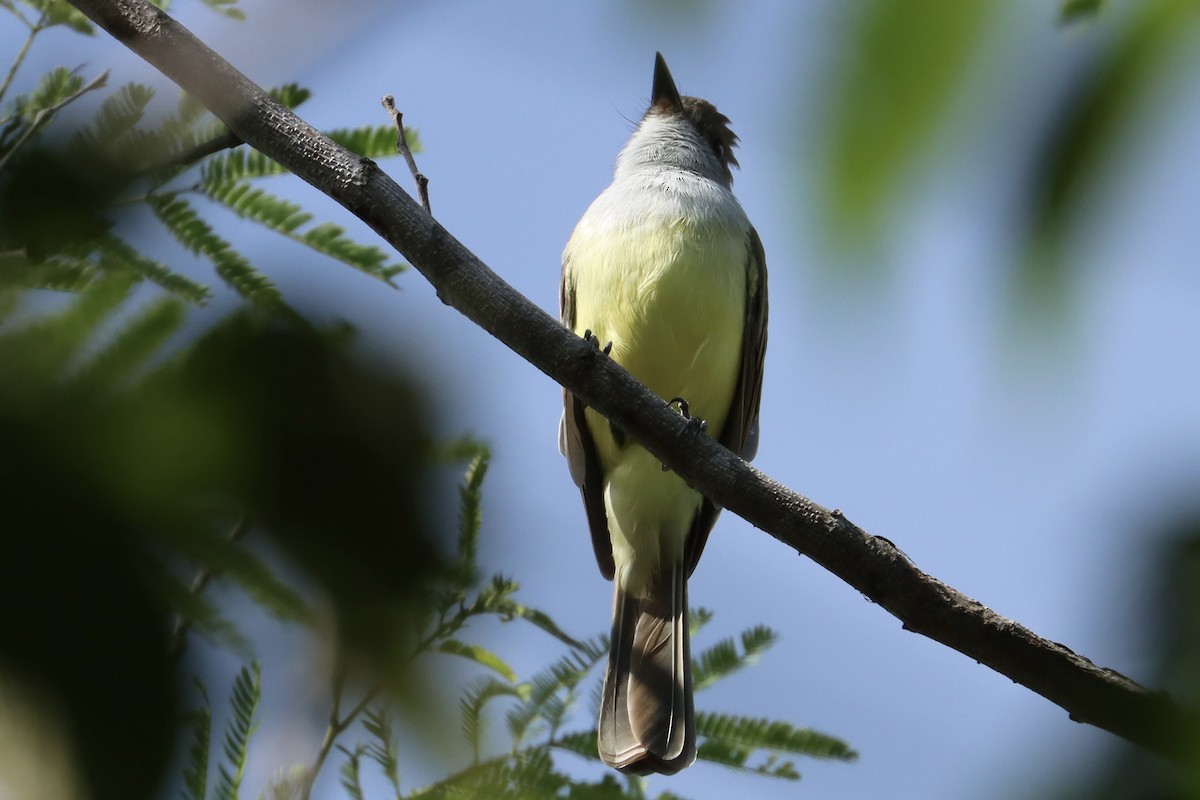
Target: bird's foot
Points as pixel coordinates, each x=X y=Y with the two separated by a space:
x=594 y=341
x=693 y=423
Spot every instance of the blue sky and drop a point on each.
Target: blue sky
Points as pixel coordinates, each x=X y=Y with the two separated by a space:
x=1031 y=469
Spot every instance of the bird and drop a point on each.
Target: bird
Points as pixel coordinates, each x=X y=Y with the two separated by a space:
x=665 y=274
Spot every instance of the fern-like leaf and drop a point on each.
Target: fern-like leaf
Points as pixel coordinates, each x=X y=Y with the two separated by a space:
x=195 y=771
x=477 y=653
x=227 y=8
x=540 y=619
x=723 y=659
x=470 y=516
x=118 y=115
x=349 y=773
x=329 y=239
x=377 y=141
x=198 y=236
x=697 y=618
x=202 y=614
x=285 y=217
x=763 y=734
x=39 y=353
x=238 y=164
x=251 y=203
x=552 y=692
x=527 y=775
x=116 y=253
x=383 y=750
x=140 y=337
x=244 y=700
x=736 y=757
x=58 y=273
x=54 y=87
x=475 y=698
x=290 y=94
x=231 y=559
x=581 y=743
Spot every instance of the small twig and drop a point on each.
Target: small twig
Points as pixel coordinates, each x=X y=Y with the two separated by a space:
x=34 y=29
x=177 y=643
x=337 y=725
x=402 y=147
x=46 y=114
x=226 y=141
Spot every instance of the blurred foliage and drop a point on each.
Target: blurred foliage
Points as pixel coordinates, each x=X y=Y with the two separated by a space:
x=263 y=454
x=1130 y=773
x=1085 y=133
x=902 y=67
x=898 y=85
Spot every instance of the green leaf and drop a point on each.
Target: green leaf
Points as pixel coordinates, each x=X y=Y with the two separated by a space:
x=285 y=217
x=1089 y=127
x=290 y=94
x=115 y=253
x=244 y=700
x=238 y=164
x=228 y=558
x=384 y=750
x=764 y=734
x=349 y=771
x=61 y=13
x=480 y=655
x=470 y=517
x=195 y=771
x=255 y=204
x=542 y=620
x=198 y=236
x=579 y=742
x=904 y=64
x=54 y=87
x=58 y=273
x=118 y=115
x=133 y=345
x=377 y=141
x=553 y=691
x=226 y=7
x=736 y=757
x=697 y=619
x=328 y=238
x=202 y=614
x=723 y=659
x=38 y=354
x=1079 y=10
x=472 y=704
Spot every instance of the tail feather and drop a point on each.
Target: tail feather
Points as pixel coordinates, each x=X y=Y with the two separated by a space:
x=647 y=718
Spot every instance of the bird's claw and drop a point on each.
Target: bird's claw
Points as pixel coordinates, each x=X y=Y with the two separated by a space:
x=694 y=424
x=594 y=341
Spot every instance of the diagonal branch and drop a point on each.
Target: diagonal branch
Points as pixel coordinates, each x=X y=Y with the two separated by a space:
x=871 y=564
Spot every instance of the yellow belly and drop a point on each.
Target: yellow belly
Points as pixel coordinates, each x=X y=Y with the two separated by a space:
x=673 y=306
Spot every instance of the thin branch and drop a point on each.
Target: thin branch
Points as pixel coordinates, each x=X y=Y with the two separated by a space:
x=34 y=29
x=870 y=564
x=44 y=115
x=336 y=727
x=403 y=149
x=225 y=141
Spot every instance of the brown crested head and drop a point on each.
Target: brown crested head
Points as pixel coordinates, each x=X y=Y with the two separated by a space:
x=712 y=124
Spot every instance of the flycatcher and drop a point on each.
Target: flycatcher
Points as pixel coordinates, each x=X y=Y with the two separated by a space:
x=665 y=267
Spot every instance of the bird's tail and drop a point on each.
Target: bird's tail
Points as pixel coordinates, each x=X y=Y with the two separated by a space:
x=647 y=719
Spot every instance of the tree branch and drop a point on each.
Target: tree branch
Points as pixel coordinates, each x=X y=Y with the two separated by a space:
x=871 y=564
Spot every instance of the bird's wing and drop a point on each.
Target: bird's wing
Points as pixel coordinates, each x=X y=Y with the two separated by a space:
x=741 y=424
x=575 y=442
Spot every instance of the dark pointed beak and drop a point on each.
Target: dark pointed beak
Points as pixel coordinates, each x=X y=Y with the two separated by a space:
x=664 y=95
